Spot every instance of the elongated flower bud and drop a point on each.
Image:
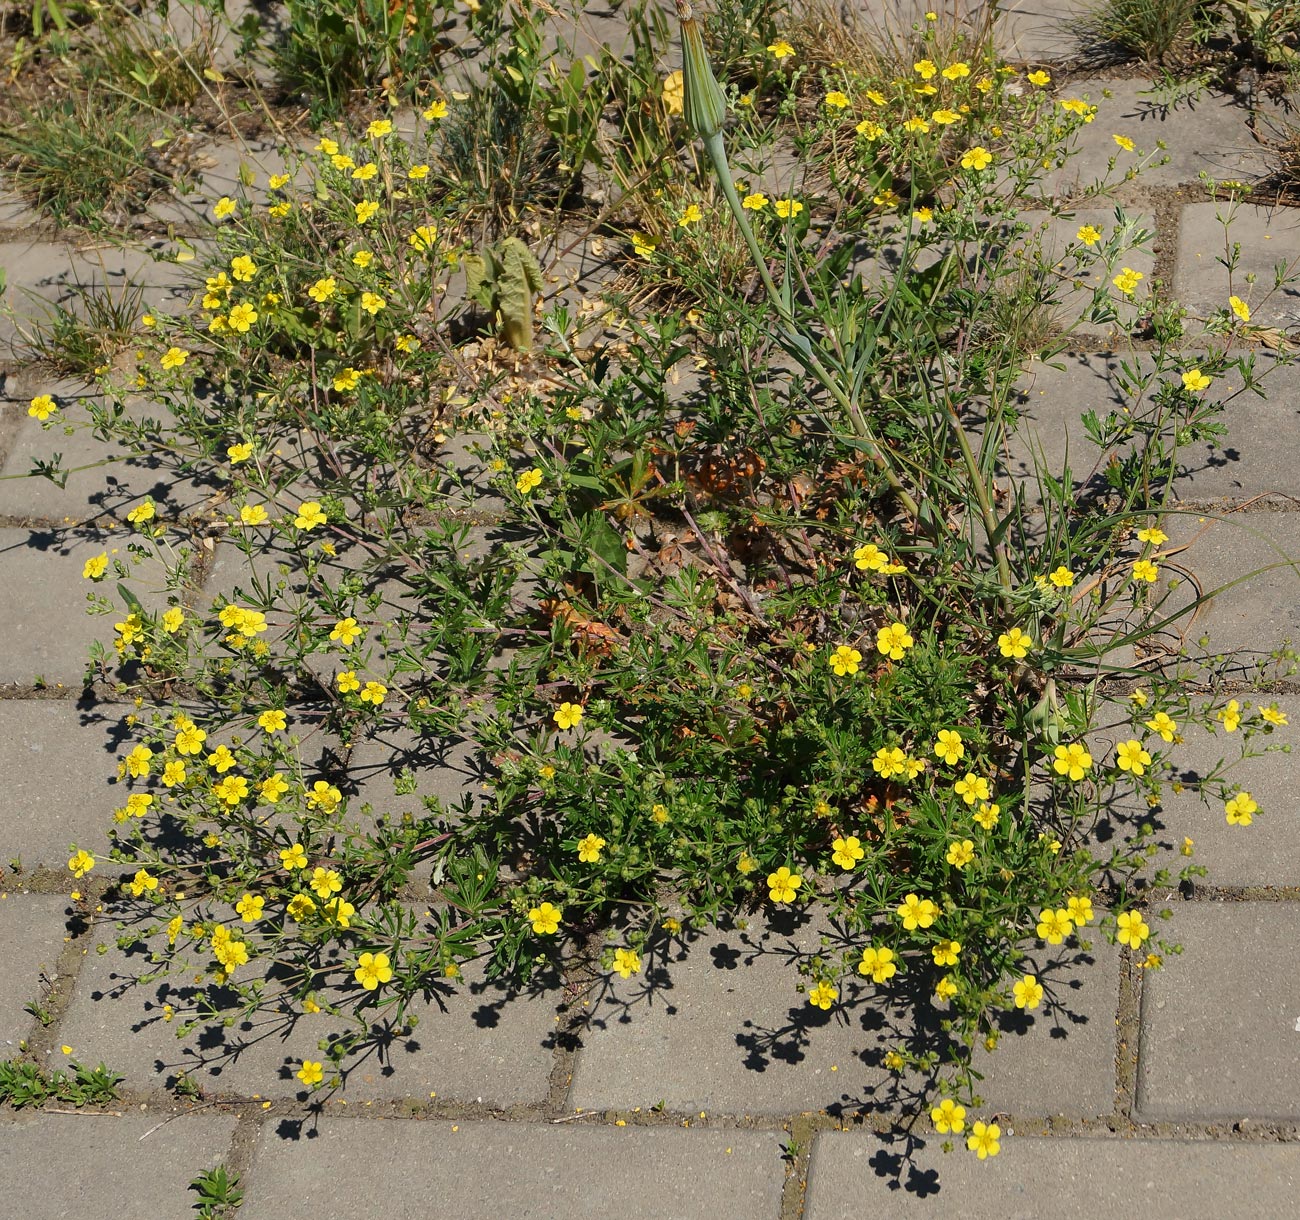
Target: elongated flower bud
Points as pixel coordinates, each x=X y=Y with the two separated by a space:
x=703 y=106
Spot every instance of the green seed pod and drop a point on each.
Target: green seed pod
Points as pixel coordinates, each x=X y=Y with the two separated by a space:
x=703 y=105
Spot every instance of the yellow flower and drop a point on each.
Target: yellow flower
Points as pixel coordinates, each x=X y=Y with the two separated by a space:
x=1230 y=716
x=1144 y=569
x=846 y=852
x=1072 y=760
x=956 y=71
x=987 y=815
x=225 y=206
x=690 y=216
x=844 y=660
x=589 y=848
x=871 y=130
x=1062 y=578
x=42 y=407
x=787 y=209
x=252 y=514
x=1240 y=308
x=528 y=481
x=379 y=128
x=323 y=289
x=643 y=245
x=823 y=996
x=1127 y=281
x=1124 y=142
x=241 y=317
x=783 y=885
x=424 y=237
x=363 y=173
x=673 y=92
x=961 y=854
x=925 y=69
x=95 y=567
x=780 y=49
x=435 y=110
x=894 y=641
x=1090 y=235
x=243 y=268
x=347 y=681
x=372 y=970
x=416 y=172
x=916 y=124
x=567 y=715
x=945 y=117
x=81 y=863
x=362 y=259
x=1028 y=992
x=545 y=918
x=310 y=515
x=1194 y=381
x=311 y=1073
x=1039 y=78
x=948 y=1116
x=837 y=100
x=346 y=379
x=173 y=358
x=976 y=158
x=365 y=210
x=372 y=303
x=754 y=203
x=374 y=693
x=1015 y=644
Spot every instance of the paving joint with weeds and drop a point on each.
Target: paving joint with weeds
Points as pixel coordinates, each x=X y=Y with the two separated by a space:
x=782 y=634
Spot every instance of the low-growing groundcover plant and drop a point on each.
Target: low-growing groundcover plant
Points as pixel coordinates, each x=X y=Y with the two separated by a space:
x=739 y=613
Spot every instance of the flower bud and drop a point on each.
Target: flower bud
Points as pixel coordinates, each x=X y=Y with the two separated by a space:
x=703 y=105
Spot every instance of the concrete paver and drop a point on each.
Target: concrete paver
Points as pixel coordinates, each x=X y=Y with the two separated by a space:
x=1219 y=1037
x=58 y=763
x=1267 y=237
x=103 y=491
x=475 y=1041
x=60 y=1165
x=721 y=1028
x=32 y=928
x=1069 y=1179
x=532 y=1170
x=1208 y=134
x=49 y=631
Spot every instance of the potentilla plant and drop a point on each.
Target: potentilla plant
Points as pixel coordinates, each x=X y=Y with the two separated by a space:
x=786 y=637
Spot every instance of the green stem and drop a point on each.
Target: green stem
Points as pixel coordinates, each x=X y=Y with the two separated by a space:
x=713 y=145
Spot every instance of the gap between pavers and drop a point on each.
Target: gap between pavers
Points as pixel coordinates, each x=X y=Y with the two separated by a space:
x=496 y=1169
x=475 y=1042
x=1267 y=236
x=855 y=1174
x=718 y=1026
x=58 y=1165
x=1221 y=1021
x=49 y=633
x=33 y=930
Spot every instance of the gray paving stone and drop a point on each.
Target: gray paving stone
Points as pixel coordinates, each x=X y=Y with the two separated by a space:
x=1267 y=237
x=107 y=491
x=58 y=760
x=475 y=1042
x=1077 y=1178
x=14 y=212
x=531 y=1171
x=720 y=1028
x=1253 y=460
x=45 y=273
x=59 y=1165
x=1219 y=1023
x=1260 y=612
x=49 y=631
x=1207 y=135
x=447 y=771
x=1038 y=31
x=1267 y=851
x=32 y=931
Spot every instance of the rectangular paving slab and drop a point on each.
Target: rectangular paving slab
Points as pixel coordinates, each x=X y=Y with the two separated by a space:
x=1221 y=1022
x=114 y=480
x=1267 y=237
x=720 y=1027
x=58 y=763
x=49 y=633
x=475 y=1041
x=60 y=1165
x=32 y=932
x=533 y=1170
x=1267 y=852
x=855 y=1175
x=1206 y=134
